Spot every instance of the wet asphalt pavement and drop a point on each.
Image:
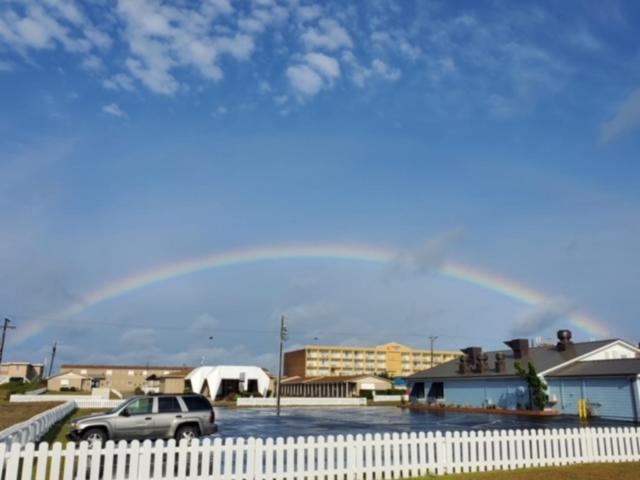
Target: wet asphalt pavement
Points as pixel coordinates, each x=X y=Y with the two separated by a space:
x=263 y=422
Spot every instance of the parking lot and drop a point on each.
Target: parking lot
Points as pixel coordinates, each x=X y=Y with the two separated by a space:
x=263 y=422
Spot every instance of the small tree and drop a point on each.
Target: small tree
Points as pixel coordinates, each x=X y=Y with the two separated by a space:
x=537 y=388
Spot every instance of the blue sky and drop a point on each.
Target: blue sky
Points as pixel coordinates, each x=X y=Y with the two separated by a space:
x=138 y=133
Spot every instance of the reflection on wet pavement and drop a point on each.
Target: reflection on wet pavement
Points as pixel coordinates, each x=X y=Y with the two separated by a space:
x=263 y=422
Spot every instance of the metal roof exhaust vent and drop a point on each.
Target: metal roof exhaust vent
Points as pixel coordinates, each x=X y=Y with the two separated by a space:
x=463 y=365
x=520 y=347
x=564 y=340
x=501 y=364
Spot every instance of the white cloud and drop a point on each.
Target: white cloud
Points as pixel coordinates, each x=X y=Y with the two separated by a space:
x=360 y=74
x=324 y=64
x=119 y=81
x=92 y=63
x=305 y=80
x=162 y=38
x=220 y=111
x=45 y=25
x=308 y=12
x=626 y=118
x=329 y=35
x=264 y=87
x=114 y=109
x=385 y=71
x=318 y=72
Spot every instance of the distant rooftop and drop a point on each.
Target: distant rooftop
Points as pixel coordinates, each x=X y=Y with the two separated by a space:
x=125 y=367
x=543 y=358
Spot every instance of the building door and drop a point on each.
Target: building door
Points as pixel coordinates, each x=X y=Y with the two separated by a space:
x=252 y=385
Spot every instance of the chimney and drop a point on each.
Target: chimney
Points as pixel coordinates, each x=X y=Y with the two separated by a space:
x=564 y=340
x=520 y=347
x=482 y=363
x=463 y=364
x=501 y=364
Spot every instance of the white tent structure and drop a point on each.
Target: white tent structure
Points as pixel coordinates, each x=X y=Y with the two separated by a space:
x=213 y=377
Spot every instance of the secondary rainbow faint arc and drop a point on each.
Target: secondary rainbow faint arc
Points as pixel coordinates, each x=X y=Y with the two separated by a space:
x=363 y=253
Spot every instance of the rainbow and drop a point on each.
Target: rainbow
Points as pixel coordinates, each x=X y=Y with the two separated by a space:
x=361 y=253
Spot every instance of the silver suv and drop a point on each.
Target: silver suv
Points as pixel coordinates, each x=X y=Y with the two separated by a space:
x=142 y=417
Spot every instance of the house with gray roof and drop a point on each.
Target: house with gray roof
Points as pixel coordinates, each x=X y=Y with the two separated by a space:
x=605 y=373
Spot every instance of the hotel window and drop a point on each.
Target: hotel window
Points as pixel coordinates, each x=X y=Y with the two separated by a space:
x=83 y=371
x=130 y=372
x=109 y=372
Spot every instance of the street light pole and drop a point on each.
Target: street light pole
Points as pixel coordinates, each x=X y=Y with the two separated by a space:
x=283 y=338
x=432 y=339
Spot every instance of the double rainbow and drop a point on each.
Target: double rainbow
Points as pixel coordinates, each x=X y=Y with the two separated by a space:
x=359 y=253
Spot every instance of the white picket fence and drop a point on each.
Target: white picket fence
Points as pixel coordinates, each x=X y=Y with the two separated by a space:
x=37 y=391
x=301 y=402
x=36 y=427
x=390 y=398
x=359 y=457
x=81 y=401
x=96 y=403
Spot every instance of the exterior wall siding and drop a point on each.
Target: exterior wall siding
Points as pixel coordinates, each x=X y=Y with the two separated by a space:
x=505 y=393
x=611 y=397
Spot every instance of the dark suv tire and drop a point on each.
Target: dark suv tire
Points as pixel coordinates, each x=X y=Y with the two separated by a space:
x=189 y=432
x=95 y=435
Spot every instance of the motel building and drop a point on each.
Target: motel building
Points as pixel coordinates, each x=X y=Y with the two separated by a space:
x=335 y=387
x=605 y=374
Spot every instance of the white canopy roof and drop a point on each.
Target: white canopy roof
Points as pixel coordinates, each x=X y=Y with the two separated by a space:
x=213 y=377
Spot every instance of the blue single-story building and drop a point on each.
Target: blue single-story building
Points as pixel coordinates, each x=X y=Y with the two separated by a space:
x=605 y=373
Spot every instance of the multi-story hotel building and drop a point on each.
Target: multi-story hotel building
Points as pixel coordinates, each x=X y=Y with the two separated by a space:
x=392 y=359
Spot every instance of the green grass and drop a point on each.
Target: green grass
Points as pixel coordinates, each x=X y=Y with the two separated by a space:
x=12 y=413
x=59 y=431
x=8 y=389
x=592 y=471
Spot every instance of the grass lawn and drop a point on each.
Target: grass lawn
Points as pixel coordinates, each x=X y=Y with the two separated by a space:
x=593 y=471
x=12 y=413
x=59 y=432
x=8 y=389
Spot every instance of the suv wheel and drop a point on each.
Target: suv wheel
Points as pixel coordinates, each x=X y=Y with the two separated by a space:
x=95 y=435
x=187 y=432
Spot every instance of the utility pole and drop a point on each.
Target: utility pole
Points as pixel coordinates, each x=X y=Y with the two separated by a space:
x=432 y=339
x=5 y=327
x=53 y=356
x=283 y=338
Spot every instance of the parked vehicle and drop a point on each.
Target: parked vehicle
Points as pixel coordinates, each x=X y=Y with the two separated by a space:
x=141 y=417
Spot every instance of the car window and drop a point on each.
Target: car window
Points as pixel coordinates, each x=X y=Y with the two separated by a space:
x=197 y=404
x=168 y=405
x=140 y=406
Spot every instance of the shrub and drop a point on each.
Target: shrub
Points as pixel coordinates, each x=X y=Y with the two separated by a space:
x=537 y=388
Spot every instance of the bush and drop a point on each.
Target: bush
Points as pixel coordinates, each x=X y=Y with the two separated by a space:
x=138 y=391
x=68 y=389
